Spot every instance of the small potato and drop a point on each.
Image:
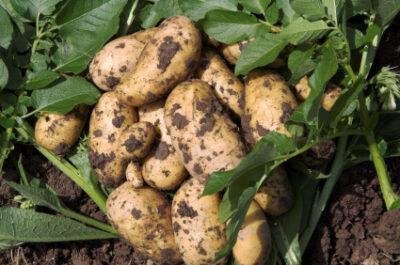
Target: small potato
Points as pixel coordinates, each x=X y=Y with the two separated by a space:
x=253 y=244
x=227 y=87
x=117 y=59
x=268 y=103
x=198 y=232
x=275 y=196
x=163 y=168
x=134 y=174
x=143 y=217
x=332 y=93
x=168 y=58
x=107 y=122
x=136 y=140
x=57 y=132
x=206 y=139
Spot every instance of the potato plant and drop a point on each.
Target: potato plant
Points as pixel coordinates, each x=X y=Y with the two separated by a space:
x=209 y=132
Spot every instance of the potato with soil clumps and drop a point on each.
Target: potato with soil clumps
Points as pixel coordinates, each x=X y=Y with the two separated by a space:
x=205 y=137
x=117 y=59
x=134 y=174
x=275 y=196
x=227 y=87
x=253 y=244
x=268 y=104
x=58 y=132
x=169 y=57
x=163 y=168
x=143 y=217
x=197 y=230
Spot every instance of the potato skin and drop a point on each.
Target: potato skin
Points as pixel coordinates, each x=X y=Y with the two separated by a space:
x=197 y=230
x=163 y=168
x=134 y=174
x=268 y=103
x=275 y=196
x=227 y=87
x=57 y=132
x=107 y=122
x=143 y=217
x=200 y=131
x=118 y=58
x=253 y=244
x=168 y=58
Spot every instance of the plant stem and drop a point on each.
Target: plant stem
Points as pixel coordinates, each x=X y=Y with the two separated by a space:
x=87 y=220
x=4 y=147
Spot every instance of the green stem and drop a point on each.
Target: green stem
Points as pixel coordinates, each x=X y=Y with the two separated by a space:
x=4 y=147
x=87 y=220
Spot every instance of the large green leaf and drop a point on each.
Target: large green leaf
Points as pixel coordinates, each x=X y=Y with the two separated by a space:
x=302 y=30
x=161 y=9
x=262 y=51
x=387 y=10
x=64 y=96
x=84 y=26
x=30 y=9
x=310 y=9
x=6 y=30
x=22 y=225
x=197 y=9
x=3 y=74
x=301 y=62
x=255 y=6
x=41 y=79
x=230 y=26
x=289 y=14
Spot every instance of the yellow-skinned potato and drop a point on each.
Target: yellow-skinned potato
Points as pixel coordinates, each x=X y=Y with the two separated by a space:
x=253 y=244
x=163 y=168
x=143 y=217
x=332 y=93
x=275 y=196
x=227 y=87
x=57 y=132
x=198 y=232
x=168 y=58
x=268 y=103
x=206 y=139
x=107 y=122
x=117 y=59
x=134 y=174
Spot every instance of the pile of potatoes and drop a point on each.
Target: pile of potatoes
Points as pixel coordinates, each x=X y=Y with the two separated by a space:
x=172 y=114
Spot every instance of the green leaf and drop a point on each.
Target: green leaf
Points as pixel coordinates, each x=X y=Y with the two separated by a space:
x=3 y=74
x=334 y=8
x=355 y=38
x=64 y=96
x=197 y=9
x=301 y=62
x=40 y=79
x=310 y=9
x=80 y=159
x=161 y=9
x=387 y=10
x=287 y=241
x=229 y=26
x=289 y=14
x=84 y=27
x=30 y=9
x=262 y=51
x=301 y=30
x=272 y=13
x=359 y=6
x=22 y=225
x=255 y=6
x=7 y=29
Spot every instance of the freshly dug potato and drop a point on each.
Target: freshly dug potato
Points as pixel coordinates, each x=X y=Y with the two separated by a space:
x=168 y=58
x=275 y=196
x=57 y=132
x=332 y=93
x=134 y=174
x=268 y=103
x=163 y=168
x=143 y=217
x=198 y=232
x=117 y=59
x=206 y=139
x=253 y=244
x=108 y=121
x=227 y=87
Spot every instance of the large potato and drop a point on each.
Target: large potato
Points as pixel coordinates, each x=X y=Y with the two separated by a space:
x=107 y=122
x=163 y=168
x=275 y=196
x=117 y=59
x=253 y=244
x=168 y=58
x=143 y=217
x=57 y=132
x=206 y=139
x=227 y=87
x=197 y=230
x=268 y=103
